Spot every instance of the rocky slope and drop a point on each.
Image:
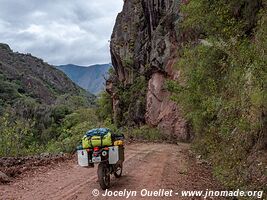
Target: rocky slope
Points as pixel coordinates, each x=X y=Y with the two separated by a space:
x=144 y=43
x=91 y=78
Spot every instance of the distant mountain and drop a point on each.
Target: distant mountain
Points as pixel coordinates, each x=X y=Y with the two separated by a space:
x=90 y=78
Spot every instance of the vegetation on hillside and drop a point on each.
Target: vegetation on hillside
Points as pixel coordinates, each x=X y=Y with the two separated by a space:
x=37 y=104
x=223 y=86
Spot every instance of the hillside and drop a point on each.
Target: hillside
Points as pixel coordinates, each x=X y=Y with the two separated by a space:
x=90 y=78
x=35 y=98
x=33 y=77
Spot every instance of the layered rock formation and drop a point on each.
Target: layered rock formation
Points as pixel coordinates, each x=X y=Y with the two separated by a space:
x=144 y=43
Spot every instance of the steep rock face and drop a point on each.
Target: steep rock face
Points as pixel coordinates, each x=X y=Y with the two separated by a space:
x=162 y=112
x=144 y=42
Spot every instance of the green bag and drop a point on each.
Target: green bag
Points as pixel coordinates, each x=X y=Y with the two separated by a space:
x=95 y=141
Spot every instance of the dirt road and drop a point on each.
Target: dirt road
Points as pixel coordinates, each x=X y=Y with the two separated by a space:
x=146 y=166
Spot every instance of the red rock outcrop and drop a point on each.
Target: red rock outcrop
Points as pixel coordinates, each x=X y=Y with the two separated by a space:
x=163 y=113
x=144 y=43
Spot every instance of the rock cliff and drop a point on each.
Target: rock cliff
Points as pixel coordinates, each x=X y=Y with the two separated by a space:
x=144 y=43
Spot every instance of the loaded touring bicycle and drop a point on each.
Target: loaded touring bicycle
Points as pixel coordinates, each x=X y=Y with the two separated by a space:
x=101 y=146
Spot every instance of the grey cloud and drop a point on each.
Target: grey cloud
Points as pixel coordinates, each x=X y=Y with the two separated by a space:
x=60 y=31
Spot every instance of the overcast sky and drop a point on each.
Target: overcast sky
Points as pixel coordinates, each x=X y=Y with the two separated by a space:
x=60 y=31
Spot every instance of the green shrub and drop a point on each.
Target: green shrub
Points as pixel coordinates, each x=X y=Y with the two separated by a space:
x=59 y=112
x=16 y=136
x=104 y=106
x=72 y=128
x=145 y=133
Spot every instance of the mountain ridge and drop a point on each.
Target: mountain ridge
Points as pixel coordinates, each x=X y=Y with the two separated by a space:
x=36 y=77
